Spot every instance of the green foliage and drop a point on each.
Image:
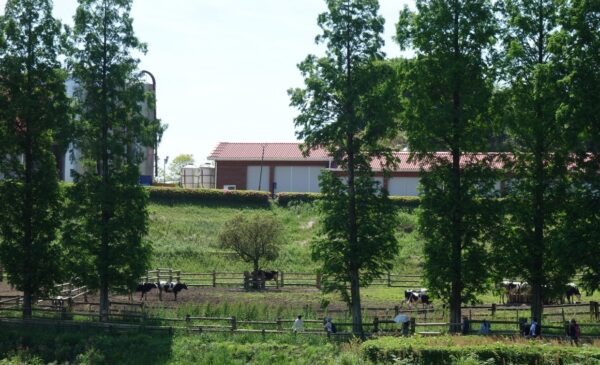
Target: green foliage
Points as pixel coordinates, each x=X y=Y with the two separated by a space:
x=446 y=92
x=536 y=194
x=174 y=170
x=579 y=40
x=376 y=247
x=406 y=202
x=107 y=208
x=445 y=351
x=253 y=237
x=284 y=199
x=33 y=120
x=348 y=107
x=208 y=196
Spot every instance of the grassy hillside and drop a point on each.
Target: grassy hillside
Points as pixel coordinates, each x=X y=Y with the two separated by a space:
x=184 y=237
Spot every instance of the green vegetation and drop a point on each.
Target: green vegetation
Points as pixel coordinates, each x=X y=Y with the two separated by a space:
x=476 y=350
x=166 y=195
x=185 y=237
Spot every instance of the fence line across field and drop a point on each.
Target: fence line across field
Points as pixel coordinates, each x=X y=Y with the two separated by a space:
x=231 y=325
x=228 y=279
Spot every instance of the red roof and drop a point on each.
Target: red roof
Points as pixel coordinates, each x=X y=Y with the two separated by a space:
x=407 y=164
x=227 y=151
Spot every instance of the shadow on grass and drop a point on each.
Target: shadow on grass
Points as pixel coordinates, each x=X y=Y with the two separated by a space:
x=52 y=343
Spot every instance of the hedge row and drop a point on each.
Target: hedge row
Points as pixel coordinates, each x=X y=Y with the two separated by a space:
x=166 y=195
x=283 y=199
x=391 y=350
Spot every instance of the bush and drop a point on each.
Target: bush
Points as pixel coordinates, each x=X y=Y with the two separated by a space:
x=428 y=351
x=283 y=199
x=172 y=196
x=406 y=202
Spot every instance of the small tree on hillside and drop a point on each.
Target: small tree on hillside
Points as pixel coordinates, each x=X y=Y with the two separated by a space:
x=254 y=238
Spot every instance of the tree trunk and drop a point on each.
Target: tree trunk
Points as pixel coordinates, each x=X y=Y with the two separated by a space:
x=357 y=328
x=104 y=303
x=27 y=303
x=456 y=253
x=537 y=245
x=456 y=189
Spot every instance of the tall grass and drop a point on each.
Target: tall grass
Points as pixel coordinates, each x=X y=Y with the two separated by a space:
x=185 y=237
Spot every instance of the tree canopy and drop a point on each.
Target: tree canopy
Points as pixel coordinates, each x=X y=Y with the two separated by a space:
x=348 y=106
x=34 y=117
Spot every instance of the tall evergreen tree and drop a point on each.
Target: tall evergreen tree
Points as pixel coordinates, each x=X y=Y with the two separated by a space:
x=348 y=107
x=536 y=194
x=447 y=92
x=579 y=43
x=108 y=216
x=33 y=114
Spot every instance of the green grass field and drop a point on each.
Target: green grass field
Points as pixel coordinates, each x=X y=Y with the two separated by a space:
x=185 y=237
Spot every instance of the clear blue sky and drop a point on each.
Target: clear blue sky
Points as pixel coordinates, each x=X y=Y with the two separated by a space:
x=223 y=66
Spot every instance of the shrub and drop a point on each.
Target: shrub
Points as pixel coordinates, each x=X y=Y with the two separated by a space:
x=171 y=196
x=406 y=202
x=283 y=199
x=436 y=352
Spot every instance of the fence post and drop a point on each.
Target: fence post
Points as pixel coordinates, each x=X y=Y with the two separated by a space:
x=170 y=275
x=389 y=279
x=281 y=285
x=214 y=279
x=562 y=311
x=157 y=275
x=413 y=325
x=375 y=324
x=493 y=310
x=318 y=280
x=233 y=323
x=596 y=310
x=178 y=275
x=279 y=325
x=396 y=310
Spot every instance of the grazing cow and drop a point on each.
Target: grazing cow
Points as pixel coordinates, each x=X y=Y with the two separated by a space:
x=145 y=288
x=572 y=291
x=170 y=287
x=268 y=275
x=417 y=296
x=509 y=291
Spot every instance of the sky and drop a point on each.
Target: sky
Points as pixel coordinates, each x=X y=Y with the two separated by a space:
x=223 y=67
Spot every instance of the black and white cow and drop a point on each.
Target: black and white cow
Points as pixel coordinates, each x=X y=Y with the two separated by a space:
x=572 y=291
x=145 y=288
x=170 y=287
x=509 y=291
x=417 y=296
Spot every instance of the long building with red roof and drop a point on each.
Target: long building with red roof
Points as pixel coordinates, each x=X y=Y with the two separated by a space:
x=281 y=167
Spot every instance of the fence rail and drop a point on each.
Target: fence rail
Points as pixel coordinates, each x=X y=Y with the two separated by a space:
x=236 y=279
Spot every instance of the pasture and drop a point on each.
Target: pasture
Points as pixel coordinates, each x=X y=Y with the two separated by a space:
x=184 y=237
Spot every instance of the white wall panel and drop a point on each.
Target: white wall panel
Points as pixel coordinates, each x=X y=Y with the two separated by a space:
x=403 y=186
x=298 y=179
x=253 y=178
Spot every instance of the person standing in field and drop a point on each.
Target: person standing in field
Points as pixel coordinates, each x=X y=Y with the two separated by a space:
x=298 y=325
x=574 y=332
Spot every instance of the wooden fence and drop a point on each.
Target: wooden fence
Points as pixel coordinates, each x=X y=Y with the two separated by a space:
x=293 y=279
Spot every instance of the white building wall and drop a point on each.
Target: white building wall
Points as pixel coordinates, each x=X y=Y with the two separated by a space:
x=403 y=186
x=253 y=178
